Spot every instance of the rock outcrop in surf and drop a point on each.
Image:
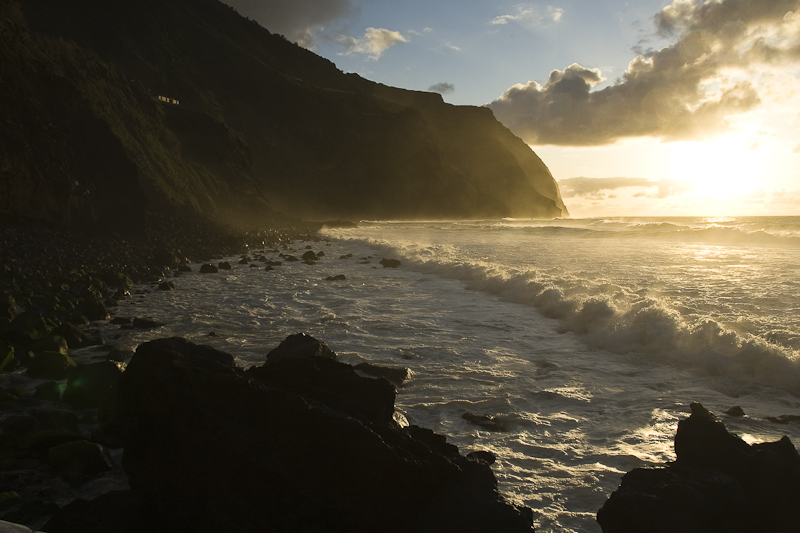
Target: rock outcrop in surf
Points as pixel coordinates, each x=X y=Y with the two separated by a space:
x=718 y=483
x=301 y=443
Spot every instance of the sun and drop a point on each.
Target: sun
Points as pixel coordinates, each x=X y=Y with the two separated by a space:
x=726 y=168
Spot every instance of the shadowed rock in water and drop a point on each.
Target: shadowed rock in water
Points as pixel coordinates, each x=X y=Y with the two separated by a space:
x=718 y=483
x=301 y=444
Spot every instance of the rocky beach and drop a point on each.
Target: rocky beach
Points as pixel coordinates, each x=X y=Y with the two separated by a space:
x=177 y=436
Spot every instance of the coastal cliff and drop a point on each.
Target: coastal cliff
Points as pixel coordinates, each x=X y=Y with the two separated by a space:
x=261 y=126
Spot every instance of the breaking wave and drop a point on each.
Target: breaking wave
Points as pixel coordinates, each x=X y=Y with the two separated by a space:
x=607 y=317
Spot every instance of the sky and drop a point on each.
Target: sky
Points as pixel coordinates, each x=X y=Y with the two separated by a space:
x=652 y=107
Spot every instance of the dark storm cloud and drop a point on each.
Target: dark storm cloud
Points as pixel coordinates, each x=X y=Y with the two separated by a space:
x=597 y=188
x=299 y=20
x=677 y=92
x=442 y=88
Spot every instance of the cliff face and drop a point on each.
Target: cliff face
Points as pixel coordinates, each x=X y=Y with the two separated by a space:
x=261 y=121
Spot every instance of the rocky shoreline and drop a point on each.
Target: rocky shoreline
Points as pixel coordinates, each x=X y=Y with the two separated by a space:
x=177 y=437
x=316 y=445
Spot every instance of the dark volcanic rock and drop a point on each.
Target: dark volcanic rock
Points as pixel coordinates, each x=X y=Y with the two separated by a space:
x=718 y=483
x=337 y=277
x=75 y=337
x=390 y=263
x=735 y=411
x=210 y=447
x=146 y=323
x=393 y=374
x=26 y=328
x=166 y=286
x=92 y=385
x=301 y=346
x=209 y=269
x=487 y=422
x=94 y=309
x=50 y=365
x=80 y=458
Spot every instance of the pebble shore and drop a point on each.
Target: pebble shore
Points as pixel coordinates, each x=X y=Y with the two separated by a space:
x=53 y=284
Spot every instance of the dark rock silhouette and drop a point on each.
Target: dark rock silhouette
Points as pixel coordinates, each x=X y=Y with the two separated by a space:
x=394 y=374
x=300 y=444
x=390 y=263
x=718 y=483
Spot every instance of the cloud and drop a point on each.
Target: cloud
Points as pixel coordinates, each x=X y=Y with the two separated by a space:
x=687 y=90
x=530 y=16
x=442 y=88
x=597 y=188
x=300 y=21
x=374 y=42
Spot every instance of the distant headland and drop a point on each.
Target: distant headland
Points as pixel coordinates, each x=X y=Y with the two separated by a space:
x=115 y=110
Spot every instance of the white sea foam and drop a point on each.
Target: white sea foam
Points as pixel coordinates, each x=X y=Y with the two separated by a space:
x=609 y=312
x=585 y=339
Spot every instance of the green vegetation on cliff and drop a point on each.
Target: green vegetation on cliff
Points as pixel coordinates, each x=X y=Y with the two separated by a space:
x=262 y=126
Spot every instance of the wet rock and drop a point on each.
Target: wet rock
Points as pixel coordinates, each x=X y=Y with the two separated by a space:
x=291 y=258
x=120 y=320
x=76 y=337
x=119 y=355
x=8 y=499
x=166 y=286
x=735 y=411
x=117 y=511
x=483 y=456
x=184 y=268
x=50 y=365
x=337 y=277
x=299 y=448
x=273 y=263
x=25 y=329
x=331 y=383
x=164 y=257
x=94 y=309
x=390 y=263
x=346 y=256
x=244 y=261
x=7 y=359
x=309 y=256
x=393 y=374
x=41 y=429
x=487 y=422
x=50 y=391
x=9 y=308
x=80 y=458
x=301 y=346
x=146 y=323
x=718 y=483
x=225 y=265
x=117 y=279
x=51 y=343
x=208 y=269
x=92 y=385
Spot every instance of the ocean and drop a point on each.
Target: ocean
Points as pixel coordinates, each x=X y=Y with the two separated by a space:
x=583 y=341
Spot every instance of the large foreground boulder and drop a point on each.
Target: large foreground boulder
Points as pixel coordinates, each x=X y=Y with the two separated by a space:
x=718 y=483
x=299 y=444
